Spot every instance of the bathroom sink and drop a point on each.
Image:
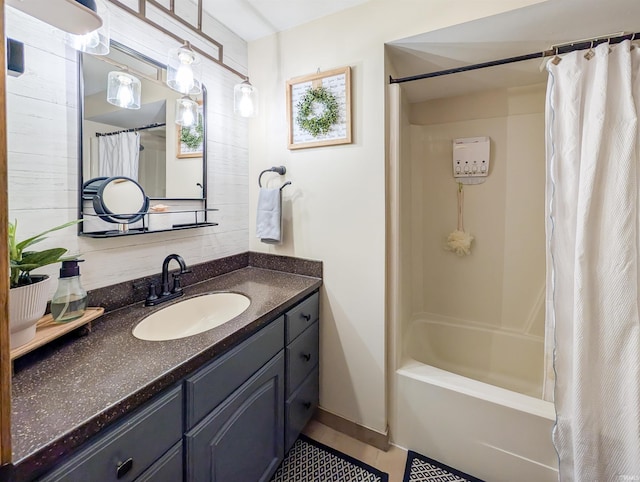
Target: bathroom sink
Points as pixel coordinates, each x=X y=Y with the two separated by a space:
x=190 y=317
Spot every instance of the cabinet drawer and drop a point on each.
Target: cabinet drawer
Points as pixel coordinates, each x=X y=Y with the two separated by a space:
x=300 y=317
x=300 y=408
x=167 y=469
x=302 y=357
x=131 y=447
x=212 y=384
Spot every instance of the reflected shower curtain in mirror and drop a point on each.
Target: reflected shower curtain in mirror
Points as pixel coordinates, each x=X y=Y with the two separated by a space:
x=593 y=245
x=119 y=154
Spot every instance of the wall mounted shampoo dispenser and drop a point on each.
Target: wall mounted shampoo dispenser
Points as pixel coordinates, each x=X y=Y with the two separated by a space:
x=471 y=159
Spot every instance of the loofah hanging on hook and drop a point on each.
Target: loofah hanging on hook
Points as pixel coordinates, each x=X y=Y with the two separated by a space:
x=458 y=241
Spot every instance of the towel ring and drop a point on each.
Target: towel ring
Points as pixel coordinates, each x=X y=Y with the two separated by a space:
x=280 y=170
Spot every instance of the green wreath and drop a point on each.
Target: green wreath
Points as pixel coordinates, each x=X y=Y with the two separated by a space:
x=192 y=138
x=321 y=124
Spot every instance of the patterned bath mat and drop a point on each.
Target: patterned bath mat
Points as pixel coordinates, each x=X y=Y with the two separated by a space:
x=311 y=461
x=423 y=469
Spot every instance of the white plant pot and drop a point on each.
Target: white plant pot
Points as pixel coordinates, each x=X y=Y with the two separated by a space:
x=27 y=304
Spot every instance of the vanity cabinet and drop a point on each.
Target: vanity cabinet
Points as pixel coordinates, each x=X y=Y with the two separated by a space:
x=232 y=420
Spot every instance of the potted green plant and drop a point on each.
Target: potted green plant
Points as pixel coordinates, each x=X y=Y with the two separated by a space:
x=29 y=293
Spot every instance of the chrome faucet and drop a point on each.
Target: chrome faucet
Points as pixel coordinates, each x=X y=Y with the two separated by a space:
x=165 y=293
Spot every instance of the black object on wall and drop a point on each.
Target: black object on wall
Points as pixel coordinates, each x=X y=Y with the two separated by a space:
x=553 y=51
x=15 y=57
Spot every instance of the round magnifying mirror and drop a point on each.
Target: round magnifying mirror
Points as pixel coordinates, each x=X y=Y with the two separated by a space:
x=121 y=200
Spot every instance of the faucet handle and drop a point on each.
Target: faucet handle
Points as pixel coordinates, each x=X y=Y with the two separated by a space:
x=152 y=296
x=176 y=284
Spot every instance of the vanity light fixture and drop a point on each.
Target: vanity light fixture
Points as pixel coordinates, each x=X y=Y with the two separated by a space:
x=97 y=41
x=245 y=99
x=74 y=16
x=184 y=70
x=186 y=111
x=123 y=90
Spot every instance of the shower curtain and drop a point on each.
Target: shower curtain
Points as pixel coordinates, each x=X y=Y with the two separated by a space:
x=593 y=243
x=118 y=155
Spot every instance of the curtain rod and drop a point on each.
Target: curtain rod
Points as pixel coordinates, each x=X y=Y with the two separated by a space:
x=556 y=50
x=133 y=129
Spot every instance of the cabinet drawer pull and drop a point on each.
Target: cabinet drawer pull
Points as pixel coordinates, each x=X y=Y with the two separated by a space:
x=124 y=467
x=306 y=317
x=306 y=356
x=306 y=405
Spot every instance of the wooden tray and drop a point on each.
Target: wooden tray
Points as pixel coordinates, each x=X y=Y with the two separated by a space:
x=48 y=330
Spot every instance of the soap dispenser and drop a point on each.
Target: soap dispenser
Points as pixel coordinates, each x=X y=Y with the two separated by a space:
x=70 y=299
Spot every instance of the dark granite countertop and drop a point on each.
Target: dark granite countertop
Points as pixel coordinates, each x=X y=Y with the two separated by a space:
x=74 y=391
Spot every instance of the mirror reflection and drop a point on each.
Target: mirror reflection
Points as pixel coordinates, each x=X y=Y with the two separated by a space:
x=143 y=143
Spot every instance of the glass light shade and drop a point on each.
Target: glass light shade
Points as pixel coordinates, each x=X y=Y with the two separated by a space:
x=186 y=112
x=245 y=99
x=123 y=90
x=97 y=41
x=184 y=71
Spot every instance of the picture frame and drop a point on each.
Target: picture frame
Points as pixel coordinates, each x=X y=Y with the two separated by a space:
x=319 y=109
x=183 y=150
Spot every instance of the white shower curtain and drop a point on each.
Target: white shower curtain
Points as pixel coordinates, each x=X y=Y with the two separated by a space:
x=593 y=244
x=118 y=155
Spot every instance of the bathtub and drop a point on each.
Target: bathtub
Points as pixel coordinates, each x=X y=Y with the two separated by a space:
x=463 y=397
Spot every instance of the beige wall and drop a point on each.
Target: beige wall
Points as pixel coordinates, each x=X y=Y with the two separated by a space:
x=501 y=284
x=335 y=209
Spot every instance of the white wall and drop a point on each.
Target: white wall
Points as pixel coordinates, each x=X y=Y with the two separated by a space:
x=42 y=111
x=335 y=209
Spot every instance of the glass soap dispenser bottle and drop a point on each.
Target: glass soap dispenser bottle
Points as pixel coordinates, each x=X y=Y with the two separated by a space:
x=70 y=299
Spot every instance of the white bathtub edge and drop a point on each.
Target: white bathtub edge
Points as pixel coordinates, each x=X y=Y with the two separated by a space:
x=473 y=388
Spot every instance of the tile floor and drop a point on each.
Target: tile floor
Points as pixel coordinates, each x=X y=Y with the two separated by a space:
x=391 y=462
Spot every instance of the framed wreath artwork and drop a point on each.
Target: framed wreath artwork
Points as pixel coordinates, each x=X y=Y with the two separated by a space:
x=190 y=140
x=319 y=109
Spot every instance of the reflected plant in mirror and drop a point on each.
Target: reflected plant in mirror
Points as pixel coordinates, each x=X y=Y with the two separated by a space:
x=144 y=144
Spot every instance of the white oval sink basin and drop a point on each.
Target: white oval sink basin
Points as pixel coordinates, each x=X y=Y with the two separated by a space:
x=190 y=317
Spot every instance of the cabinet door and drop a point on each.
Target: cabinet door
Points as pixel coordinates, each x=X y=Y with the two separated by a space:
x=242 y=440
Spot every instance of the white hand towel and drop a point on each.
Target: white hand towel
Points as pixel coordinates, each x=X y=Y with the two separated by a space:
x=269 y=217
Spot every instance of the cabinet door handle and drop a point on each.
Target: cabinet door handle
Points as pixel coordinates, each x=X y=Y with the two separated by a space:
x=306 y=317
x=306 y=405
x=306 y=356
x=124 y=467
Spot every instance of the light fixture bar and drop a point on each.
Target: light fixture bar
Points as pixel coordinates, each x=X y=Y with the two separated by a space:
x=141 y=14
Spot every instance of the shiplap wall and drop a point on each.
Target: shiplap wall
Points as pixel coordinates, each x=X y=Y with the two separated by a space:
x=42 y=124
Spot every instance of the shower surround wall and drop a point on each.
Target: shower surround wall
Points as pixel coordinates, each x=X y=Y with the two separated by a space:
x=477 y=316
x=499 y=288
x=42 y=125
